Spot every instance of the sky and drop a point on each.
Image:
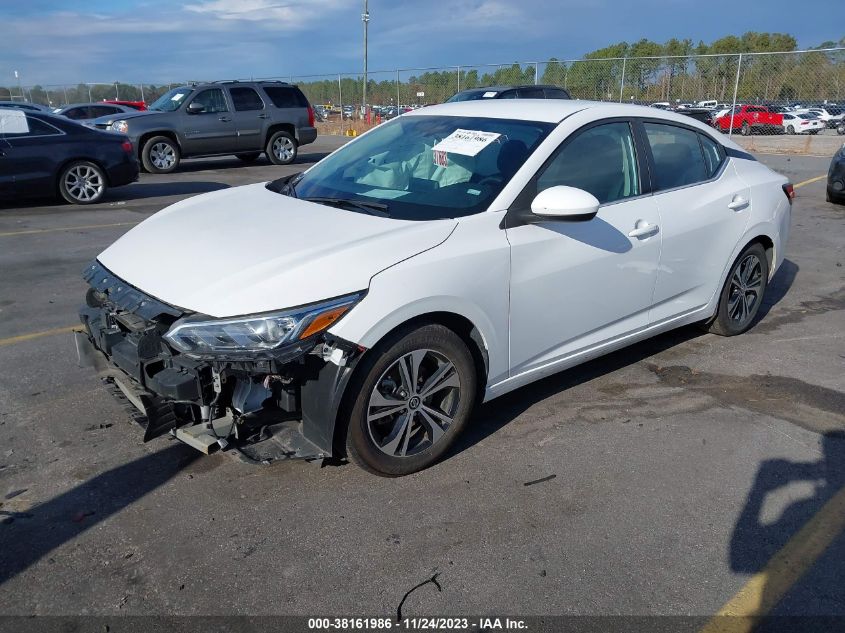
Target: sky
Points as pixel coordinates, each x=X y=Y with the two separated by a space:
x=163 y=41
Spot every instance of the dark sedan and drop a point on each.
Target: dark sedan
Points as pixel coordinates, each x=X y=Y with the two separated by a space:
x=836 y=178
x=510 y=92
x=42 y=153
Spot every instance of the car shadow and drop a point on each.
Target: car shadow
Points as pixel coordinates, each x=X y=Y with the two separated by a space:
x=142 y=190
x=758 y=537
x=190 y=165
x=30 y=536
x=778 y=288
x=125 y=193
x=492 y=416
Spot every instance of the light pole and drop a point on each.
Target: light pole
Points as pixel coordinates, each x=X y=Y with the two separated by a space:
x=365 y=18
x=20 y=90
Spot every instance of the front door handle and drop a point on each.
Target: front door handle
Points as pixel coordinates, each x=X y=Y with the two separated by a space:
x=225 y=119
x=738 y=203
x=644 y=231
x=263 y=116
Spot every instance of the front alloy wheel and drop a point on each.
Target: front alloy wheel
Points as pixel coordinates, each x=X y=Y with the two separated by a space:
x=416 y=393
x=82 y=182
x=413 y=403
x=160 y=155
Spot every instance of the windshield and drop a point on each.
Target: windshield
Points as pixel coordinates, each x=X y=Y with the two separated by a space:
x=401 y=164
x=171 y=100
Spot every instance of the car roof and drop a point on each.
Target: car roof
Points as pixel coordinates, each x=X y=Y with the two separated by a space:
x=549 y=110
x=89 y=104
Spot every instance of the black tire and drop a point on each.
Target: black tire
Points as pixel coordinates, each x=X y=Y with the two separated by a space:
x=160 y=155
x=745 y=130
x=790 y=129
x=281 y=148
x=250 y=157
x=376 y=444
x=734 y=316
x=82 y=182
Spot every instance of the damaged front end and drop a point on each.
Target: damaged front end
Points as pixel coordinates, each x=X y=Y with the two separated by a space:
x=268 y=385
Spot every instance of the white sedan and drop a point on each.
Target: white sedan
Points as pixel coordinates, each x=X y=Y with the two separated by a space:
x=450 y=256
x=802 y=123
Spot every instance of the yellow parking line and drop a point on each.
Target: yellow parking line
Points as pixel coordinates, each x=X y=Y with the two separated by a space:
x=807 y=182
x=766 y=588
x=67 y=228
x=28 y=337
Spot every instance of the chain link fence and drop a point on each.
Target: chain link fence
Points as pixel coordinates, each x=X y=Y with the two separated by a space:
x=746 y=93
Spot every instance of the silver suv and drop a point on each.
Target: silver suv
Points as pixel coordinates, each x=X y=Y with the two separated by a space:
x=225 y=117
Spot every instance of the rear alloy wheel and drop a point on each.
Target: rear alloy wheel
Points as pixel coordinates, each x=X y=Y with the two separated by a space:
x=414 y=400
x=742 y=293
x=281 y=148
x=745 y=130
x=82 y=182
x=160 y=155
x=790 y=129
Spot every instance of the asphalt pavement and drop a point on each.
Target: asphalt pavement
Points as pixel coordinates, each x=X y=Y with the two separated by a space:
x=656 y=480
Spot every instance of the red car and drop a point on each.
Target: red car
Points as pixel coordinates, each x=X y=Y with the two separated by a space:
x=748 y=118
x=138 y=105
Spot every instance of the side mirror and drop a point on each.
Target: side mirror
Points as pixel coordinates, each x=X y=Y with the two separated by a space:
x=195 y=108
x=565 y=203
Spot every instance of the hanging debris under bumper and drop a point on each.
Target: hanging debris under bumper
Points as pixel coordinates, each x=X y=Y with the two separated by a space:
x=268 y=408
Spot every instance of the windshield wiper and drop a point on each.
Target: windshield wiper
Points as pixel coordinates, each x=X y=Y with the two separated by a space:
x=365 y=206
x=284 y=185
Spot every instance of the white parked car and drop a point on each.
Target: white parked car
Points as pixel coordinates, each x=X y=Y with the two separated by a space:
x=802 y=123
x=450 y=256
x=831 y=116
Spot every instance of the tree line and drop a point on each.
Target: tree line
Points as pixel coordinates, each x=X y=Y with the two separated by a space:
x=677 y=70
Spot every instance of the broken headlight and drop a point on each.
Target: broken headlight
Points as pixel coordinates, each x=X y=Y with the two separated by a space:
x=259 y=333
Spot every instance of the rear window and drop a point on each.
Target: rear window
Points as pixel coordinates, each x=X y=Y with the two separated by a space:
x=286 y=97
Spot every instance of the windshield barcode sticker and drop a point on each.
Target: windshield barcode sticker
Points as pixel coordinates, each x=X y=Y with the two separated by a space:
x=466 y=142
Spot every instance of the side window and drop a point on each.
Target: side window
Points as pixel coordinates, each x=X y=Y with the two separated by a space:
x=98 y=111
x=285 y=97
x=714 y=154
x=556 y=93
x=601 y=160
x=531 y=93
x=77 y=113
x=507 y=94
x=212 y=99
x=39 y=128
x=246 y=99
x=678 y=160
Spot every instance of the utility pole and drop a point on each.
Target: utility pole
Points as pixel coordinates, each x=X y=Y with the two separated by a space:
x=365 y=18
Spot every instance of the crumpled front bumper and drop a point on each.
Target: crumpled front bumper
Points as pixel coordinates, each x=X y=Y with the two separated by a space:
x=167 y=391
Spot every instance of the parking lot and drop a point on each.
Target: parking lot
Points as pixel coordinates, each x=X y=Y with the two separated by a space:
x=655 y=481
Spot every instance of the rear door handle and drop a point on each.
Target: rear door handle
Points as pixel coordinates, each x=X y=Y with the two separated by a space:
x=644 y=231
x=738 y=203
x=263 y=116
x=225 y=119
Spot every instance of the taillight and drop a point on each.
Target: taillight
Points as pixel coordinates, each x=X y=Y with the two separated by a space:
x=789 y=190
x=310 y=116
x=127 y=146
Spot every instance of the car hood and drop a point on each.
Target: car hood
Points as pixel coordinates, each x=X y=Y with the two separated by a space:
x=247 y=250
x=108 y=119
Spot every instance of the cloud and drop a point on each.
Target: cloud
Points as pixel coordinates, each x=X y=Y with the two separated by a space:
x=291 y=14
